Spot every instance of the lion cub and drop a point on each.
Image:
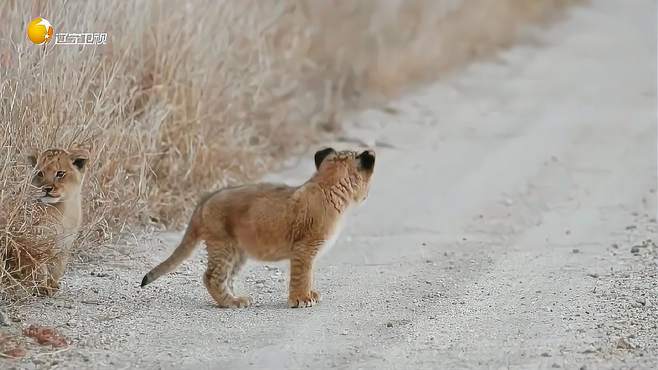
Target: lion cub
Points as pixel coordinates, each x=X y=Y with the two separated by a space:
x=57 y=178
x=272 y=222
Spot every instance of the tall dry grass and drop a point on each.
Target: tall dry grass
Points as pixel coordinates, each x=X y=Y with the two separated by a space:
x=188 y=96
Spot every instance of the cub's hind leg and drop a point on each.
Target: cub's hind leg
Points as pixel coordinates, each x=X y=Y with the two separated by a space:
x=223 y=260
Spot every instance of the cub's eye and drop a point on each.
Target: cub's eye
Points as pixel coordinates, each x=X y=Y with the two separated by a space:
x=39 y=174
x=60 y=174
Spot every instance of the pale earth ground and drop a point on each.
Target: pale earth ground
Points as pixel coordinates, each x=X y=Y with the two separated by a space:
x=499 y=233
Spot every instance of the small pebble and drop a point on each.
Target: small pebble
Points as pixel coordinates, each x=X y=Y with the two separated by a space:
x=624 y=344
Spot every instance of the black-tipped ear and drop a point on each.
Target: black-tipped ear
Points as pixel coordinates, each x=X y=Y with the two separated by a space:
x=32 y=159
x=321 y=155
x=367 y=159
x=79 y=157
x=80 y=163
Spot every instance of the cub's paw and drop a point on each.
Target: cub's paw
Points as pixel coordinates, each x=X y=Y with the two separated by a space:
x=237 y=302
x=300 y=300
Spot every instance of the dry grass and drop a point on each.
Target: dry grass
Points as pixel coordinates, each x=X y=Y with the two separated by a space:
x=193 y=95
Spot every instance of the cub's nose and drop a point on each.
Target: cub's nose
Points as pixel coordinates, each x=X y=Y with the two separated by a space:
x=47 y=189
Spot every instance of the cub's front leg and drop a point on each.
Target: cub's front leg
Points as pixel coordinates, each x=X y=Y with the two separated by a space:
x=300 y=292
x=50 y=274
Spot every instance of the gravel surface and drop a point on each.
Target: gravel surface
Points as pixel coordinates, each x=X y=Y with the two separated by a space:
x=511 y=224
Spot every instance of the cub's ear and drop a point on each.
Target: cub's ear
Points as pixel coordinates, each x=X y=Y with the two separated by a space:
x=321 y=155
x=79 y=158
x=32 y=157
x=367 y=160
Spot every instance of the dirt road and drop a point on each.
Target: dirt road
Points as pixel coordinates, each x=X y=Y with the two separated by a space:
x=510 y=225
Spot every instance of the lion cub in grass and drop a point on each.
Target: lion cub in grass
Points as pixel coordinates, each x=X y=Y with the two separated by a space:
x=57 y=177
x=271 y=222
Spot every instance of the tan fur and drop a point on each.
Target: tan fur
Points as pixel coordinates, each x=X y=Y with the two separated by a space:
x=271 y=222
x=58 y=176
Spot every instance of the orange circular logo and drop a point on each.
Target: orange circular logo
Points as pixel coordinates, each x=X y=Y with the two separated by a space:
x=40 y=31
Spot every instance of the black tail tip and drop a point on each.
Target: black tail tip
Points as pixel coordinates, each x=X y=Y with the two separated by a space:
x=145 y=280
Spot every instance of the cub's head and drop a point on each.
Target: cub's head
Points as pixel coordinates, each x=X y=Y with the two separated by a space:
x=347 y=171
x=58 y=173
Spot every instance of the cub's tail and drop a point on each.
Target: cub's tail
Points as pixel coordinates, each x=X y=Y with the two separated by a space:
x=182 y=252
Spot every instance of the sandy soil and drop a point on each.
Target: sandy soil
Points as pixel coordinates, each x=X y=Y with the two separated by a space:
x=511 y=224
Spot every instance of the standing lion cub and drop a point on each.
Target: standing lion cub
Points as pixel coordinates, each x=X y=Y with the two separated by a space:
x=272 y=222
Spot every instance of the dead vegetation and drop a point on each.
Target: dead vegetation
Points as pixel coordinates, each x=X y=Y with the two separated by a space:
x=44 y=335
x=191 y=96
x=11 y=346
x=15 y=346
